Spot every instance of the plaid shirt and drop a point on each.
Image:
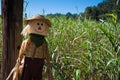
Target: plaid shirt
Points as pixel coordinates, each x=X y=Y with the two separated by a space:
x=28 y=49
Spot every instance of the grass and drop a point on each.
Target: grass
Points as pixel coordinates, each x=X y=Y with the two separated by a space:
x=84 y=49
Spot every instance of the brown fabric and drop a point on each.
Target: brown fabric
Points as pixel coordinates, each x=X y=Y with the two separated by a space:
x=33 y=69
x=28 y=46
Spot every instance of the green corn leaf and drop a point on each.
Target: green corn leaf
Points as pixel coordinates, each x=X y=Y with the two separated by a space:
x=77 y=77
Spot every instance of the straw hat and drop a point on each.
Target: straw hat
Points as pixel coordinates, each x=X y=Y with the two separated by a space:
x=38 y=17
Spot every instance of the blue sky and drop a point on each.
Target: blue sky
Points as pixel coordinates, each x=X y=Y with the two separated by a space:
x=58 y=6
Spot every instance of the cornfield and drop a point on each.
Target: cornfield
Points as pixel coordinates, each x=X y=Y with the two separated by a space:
x=83 y=49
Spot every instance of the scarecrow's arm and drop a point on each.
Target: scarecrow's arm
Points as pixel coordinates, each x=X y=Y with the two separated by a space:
x=48 y=61
x=21 y=52
x=48 y=64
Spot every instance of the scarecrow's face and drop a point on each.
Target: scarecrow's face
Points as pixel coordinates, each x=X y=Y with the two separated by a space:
x=38 y=27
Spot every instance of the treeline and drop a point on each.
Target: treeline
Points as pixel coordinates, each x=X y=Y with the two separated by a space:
x=95 y=12
x=67 y=15
x=105 y=7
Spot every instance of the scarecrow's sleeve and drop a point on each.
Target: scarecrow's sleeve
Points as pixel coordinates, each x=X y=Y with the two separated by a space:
x=48 y=63
x=47 y=57
x=22 y=49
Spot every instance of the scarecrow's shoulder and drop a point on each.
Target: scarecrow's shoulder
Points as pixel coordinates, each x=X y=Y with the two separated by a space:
x=26 y=41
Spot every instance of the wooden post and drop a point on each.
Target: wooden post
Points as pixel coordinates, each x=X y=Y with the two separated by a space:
x=12 y=12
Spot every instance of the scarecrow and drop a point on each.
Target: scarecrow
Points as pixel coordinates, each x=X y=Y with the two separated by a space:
x=35 y=48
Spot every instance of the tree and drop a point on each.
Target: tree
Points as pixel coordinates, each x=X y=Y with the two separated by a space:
x=12 y=12
x=92 y=12
x=107 y=6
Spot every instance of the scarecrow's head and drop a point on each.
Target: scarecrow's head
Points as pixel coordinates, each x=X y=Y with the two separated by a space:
x=37 y=25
